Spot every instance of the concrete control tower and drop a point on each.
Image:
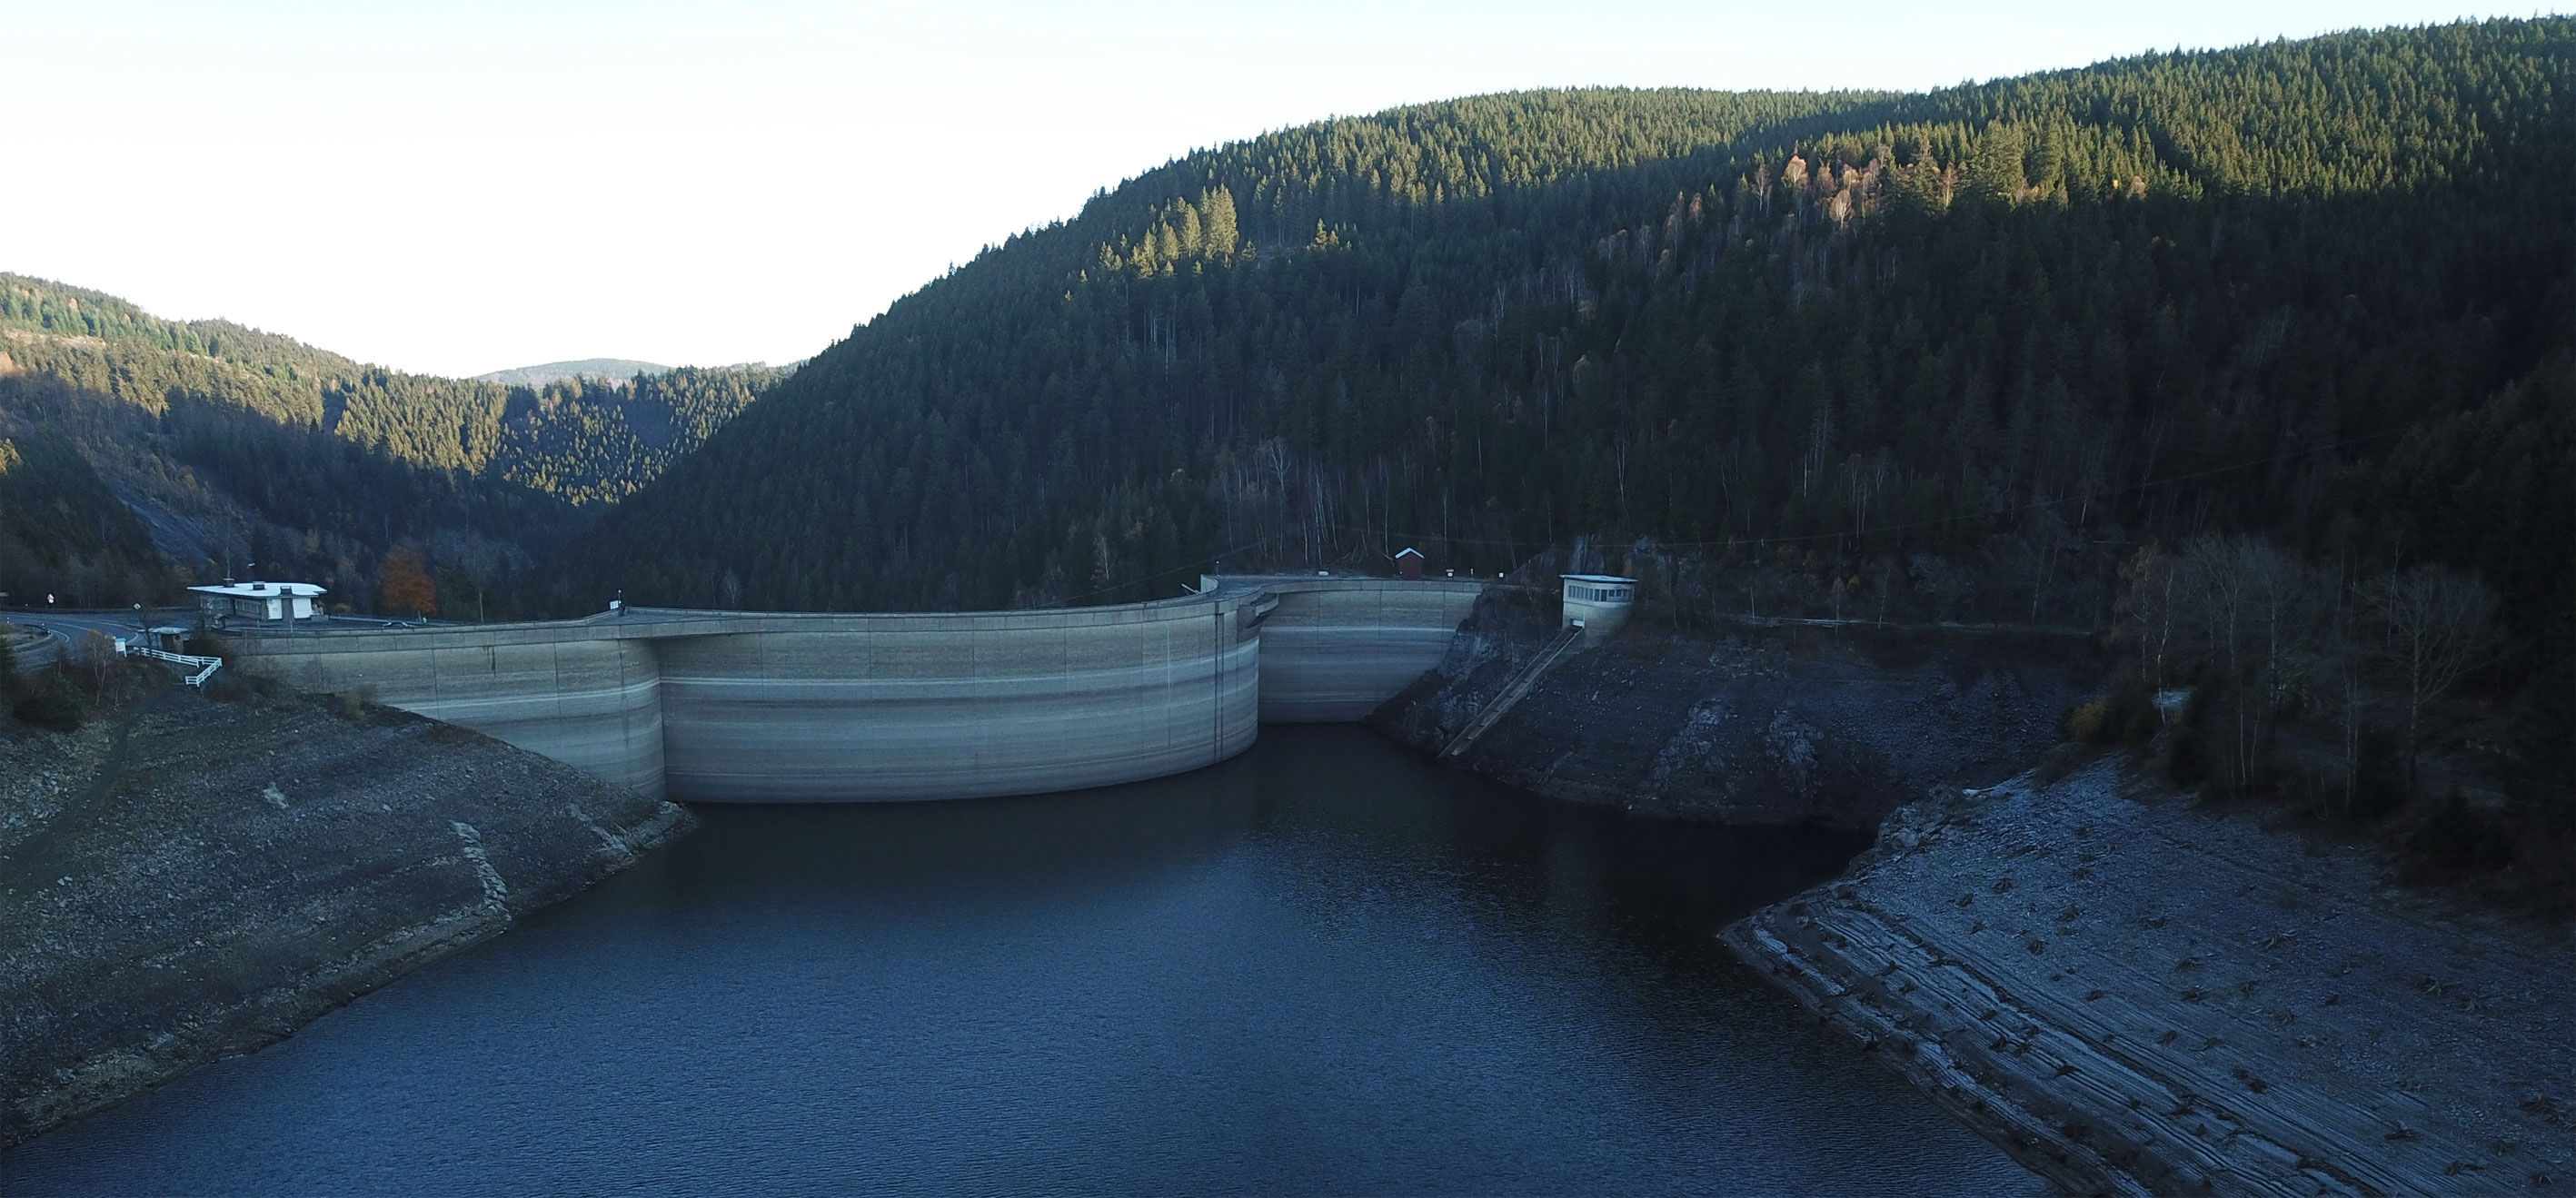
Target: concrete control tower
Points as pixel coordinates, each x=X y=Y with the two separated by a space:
x=1598 y=602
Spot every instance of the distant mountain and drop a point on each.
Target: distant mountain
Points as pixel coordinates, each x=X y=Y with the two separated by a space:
x=619 y=369
x=216 y=444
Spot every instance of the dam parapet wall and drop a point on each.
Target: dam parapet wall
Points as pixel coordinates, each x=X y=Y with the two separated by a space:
x=832 y=707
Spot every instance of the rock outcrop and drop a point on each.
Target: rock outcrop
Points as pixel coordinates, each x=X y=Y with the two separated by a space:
x=212 y=875
x=2135 y=995
x=1750 y=725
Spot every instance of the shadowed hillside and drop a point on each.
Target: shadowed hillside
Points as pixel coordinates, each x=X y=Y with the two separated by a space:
x=229 y=445
x=1959 y=351
x=2261 y=363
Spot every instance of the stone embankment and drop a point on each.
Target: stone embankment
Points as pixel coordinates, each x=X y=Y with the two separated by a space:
x=1831 y=727
x=2137 y=995
x=213 y=875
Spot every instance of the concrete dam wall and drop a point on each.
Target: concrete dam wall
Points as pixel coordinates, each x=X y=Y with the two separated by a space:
x=948 y=707
x=1335 y=648
x=817 y=707
x=562 y=690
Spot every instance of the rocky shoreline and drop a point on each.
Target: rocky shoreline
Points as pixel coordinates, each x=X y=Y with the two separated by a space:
x=1749 y=725
x=2129 y=992
x=2136 y=995
x=214 y=875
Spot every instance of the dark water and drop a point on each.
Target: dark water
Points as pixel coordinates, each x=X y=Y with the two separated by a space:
x=1326 y=965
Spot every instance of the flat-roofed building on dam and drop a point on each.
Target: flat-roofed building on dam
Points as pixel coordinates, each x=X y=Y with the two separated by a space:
x=1598 y=602
x=279 y=602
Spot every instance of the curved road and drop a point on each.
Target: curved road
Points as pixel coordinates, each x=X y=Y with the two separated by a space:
x=72 y=625
x=68 y=627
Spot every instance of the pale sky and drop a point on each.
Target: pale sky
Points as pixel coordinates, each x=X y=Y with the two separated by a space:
x=465 y=187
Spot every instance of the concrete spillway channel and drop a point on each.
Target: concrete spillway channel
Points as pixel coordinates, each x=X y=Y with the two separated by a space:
x=827 y=707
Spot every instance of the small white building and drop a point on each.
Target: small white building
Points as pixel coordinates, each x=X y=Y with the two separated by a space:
x=1599 y=602
x=266 y=601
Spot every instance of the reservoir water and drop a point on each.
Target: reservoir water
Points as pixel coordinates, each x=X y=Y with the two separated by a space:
x=1327 y=965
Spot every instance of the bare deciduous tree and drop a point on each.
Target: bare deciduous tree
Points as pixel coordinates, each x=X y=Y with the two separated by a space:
x=2145 y=610
x=96 y=655
x=2251 y=613
x=2272 y=636
x=2436 y=625
x=2343 y=666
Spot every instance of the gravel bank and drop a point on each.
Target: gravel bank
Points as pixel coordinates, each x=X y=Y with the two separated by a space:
x=2133 y=994
x=238 y=869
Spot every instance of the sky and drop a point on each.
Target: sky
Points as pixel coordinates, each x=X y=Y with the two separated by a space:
x=465 y=187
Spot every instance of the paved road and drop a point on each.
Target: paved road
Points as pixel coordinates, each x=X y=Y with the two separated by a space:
x=71 y=626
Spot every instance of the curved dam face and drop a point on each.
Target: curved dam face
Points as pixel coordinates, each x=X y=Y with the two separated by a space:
x=948 y=707
x=816 y=707
x=1335 y=648
x=588 y=701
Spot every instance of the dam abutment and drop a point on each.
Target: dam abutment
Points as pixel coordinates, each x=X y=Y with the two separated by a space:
x=590 y=702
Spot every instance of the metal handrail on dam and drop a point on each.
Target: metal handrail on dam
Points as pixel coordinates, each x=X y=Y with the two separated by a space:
x=871 y=707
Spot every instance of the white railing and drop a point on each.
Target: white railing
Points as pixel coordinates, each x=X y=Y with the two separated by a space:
x=205 y=666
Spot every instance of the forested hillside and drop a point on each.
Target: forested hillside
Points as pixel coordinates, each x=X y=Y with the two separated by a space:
x=1954 y=351
x=2264 y=358
x=561 y=372
x=63 y=534
x=231 y=444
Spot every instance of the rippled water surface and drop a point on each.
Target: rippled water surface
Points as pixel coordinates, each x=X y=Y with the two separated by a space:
x=1327 y=965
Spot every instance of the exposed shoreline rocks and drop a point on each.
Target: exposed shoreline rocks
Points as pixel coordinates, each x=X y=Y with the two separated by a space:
x=239 y=869
x=1753 y=725
x=2129 y=992
x=2133 y=994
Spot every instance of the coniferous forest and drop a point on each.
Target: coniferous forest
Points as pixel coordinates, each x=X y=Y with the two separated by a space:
x=2263 y=357
x=1960 y=352
x=2178 y=348
x=142 y=454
